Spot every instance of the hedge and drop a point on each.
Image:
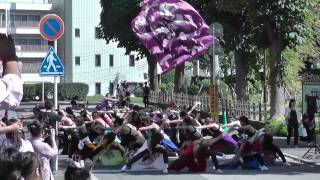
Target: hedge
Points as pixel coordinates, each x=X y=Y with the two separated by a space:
x=66 y=91
x=278 y=128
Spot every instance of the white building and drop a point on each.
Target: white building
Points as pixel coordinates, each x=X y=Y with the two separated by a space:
x=20 y=18
x=87 y=57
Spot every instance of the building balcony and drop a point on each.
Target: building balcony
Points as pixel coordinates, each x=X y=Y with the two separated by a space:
x=24 y=27
x=2 y=24
x=32 y=51
x=32 y=48
x=25 y=24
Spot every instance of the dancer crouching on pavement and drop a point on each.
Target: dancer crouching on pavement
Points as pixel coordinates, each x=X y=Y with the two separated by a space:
x=152 y=146
x=249 y=145
x=194 y=156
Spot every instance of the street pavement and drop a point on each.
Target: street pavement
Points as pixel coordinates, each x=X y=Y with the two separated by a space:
x=297 y=171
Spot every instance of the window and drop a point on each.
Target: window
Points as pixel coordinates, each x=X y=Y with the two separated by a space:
x=24 y=17
x=21 y=41
x=111 y=88
x=33 y=17
x=111 y=60
x=145 y=75
x=3 y=17
x=98 y=60
x=98 y=88
x=77 y=32
x=131 y=60
x=34 y=41
x=98 y=34
x=77 y=60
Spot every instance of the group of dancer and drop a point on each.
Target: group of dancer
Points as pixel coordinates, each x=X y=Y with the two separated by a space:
x=140 y=138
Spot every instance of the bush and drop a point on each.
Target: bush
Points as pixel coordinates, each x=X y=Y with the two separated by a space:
x=138 y=92
x=206 y=86
x=193 y=89
x=29 y=92
x=166 y=87
x=69 y=91
x=168 y=77
x=66 y=91
x=277 y=127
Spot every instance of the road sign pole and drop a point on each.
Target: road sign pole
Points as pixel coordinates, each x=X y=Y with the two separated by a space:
x=55 y=82
x=52 y=28
x=42 y=90
x=213 y=75
x=216 y=30
x=56 y=103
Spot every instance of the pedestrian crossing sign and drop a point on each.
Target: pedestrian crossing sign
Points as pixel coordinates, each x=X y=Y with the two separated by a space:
x=51 y=65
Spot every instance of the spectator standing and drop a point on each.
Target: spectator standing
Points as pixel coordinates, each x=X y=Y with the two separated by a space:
x=291 y=118
x=146 y=93
x=16 y=139
x=44 y=150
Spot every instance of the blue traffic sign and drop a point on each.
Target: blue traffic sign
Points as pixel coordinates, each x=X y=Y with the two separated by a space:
x=51 y=27
x=51 y=65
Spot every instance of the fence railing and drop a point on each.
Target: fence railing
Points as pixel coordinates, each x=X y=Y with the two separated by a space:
x=254 y=111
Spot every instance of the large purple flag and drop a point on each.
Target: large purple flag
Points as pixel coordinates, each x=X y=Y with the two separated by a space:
x=172 y=31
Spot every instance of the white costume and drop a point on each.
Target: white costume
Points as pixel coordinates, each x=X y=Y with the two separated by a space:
x=11 y=91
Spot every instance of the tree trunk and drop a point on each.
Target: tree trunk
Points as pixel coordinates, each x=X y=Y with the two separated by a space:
x=153 y=74
x=180 y=85
x=277 y=87
x=241 y=75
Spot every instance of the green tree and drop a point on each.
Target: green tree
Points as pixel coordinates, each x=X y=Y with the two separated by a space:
x=278 y=24
x=115 y=23
x=238 y=39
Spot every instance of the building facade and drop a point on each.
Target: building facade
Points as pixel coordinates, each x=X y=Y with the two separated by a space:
x=87 y=57
x=20 y=18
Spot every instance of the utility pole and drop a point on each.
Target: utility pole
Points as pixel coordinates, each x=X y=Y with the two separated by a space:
x=216 y=29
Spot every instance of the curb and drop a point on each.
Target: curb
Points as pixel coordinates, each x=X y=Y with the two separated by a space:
x=300 y=159
x=60 y=102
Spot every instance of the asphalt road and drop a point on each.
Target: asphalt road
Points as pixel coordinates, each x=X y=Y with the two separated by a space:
x=295 y=172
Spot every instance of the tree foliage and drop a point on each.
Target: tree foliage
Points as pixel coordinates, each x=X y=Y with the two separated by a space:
x=115 y=23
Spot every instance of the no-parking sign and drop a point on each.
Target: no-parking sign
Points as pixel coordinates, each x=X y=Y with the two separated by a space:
x=51 y=27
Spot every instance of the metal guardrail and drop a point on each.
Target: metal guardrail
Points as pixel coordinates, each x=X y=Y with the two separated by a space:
x=254 y=111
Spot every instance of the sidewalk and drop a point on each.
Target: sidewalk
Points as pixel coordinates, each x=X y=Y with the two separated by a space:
x=297 y=154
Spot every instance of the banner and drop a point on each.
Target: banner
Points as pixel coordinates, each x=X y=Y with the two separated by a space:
x=173 y=32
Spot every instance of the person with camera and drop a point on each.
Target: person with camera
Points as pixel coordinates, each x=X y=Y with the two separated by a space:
x=44 y=150
x=16 y=139
x=11 y=89
x=15 y=127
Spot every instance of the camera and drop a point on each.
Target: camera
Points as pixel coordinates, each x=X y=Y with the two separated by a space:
x=47 y=130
